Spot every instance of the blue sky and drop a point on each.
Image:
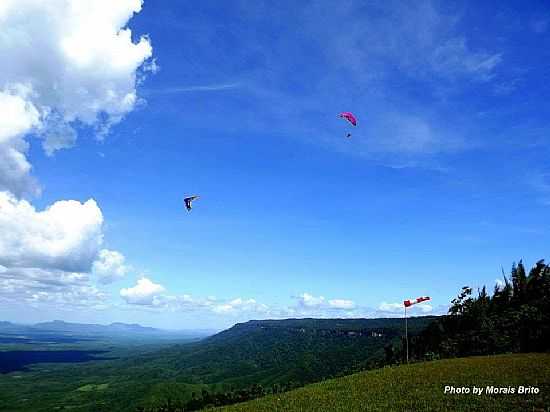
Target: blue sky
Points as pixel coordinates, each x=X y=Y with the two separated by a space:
x=444 y=180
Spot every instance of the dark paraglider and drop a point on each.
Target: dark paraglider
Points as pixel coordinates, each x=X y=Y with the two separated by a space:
x=189 y=202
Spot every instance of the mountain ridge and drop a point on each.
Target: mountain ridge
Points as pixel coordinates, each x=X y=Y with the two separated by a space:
x=114 y=328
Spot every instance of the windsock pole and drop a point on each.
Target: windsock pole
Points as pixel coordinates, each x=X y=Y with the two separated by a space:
x=406 y=335
x=406 y=304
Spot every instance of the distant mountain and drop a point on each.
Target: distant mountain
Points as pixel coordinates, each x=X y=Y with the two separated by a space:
x=92 y=328
x=8 y=327
x=116 y=329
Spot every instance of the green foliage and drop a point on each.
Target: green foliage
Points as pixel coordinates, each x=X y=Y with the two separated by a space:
x=91 y=387
x=516 y=318
x=420 y=387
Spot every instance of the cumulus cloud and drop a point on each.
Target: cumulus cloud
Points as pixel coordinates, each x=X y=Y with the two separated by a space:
x=239 y=305
x=18 y=118
x=309 y=301
x=51 y=287
x=18 y=115
x=64 y=63
x=149 y=295
x=46 y=256
x=309 y=304
x=65 y=236
x=110 y=266
x=145 y=292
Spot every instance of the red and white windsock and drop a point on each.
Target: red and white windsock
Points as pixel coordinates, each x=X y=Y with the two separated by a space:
x=410 y=302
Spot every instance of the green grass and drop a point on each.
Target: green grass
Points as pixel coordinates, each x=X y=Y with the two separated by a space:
x=420 y=387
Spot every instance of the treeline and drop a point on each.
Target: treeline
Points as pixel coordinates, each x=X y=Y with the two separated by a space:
x=206 y=399
x=514 y=318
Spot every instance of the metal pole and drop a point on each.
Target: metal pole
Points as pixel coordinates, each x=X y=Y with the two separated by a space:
x=406 y=334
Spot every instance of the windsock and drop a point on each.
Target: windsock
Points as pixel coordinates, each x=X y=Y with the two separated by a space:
x=410 y=302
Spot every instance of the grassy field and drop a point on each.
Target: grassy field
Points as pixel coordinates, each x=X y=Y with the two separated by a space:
x=420 y=387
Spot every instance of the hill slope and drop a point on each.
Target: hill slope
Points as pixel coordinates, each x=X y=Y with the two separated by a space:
x=284 y=352
x=297 y=351
x=421 y=387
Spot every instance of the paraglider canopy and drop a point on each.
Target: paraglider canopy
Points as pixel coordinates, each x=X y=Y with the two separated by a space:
x=349 y=117
x=189 y=202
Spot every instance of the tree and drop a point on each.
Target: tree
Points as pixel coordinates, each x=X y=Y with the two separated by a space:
x=516 y=318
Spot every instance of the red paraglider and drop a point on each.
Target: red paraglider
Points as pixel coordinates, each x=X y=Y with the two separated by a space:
x=349 y=117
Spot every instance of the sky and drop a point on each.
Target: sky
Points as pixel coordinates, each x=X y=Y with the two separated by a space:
x=112 y=112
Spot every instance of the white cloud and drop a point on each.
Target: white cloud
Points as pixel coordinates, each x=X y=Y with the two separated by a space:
x=188 y=89
x=391 y=307
x=64 y=63
x=151 y=296
x=424 y=308
x=110 y=266
x=18 y=117
x=187 y=303
x=65 y=236
x=319 y=306
x=50 y=287
x=46 y=256
x=145 y=292
x=410 y=135
x=310 y=301
x=57 y=134
x=453 y=58
x=421 y=39
x=341 y=304
x=240 y=305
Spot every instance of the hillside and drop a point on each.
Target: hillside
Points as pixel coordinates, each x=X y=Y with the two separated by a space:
x=290 y=351
x=421 y=387
x=286 y=353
